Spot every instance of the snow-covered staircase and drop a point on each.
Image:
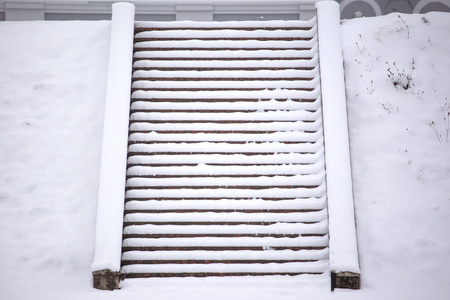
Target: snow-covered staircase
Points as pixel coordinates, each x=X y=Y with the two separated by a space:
x=226 y=169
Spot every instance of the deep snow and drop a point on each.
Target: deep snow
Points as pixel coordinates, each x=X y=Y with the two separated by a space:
x=51 y=99
x=398 y=96
x=52 y=91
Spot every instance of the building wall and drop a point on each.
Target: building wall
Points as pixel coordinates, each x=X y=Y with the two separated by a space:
x=370 y=7
x=207 y=10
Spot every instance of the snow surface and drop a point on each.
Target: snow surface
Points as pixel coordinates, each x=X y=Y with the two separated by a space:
x=400 y=149
x=49 y=166
x=52 y=93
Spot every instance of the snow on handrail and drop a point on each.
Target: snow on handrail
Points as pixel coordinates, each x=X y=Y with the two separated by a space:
x=108 y=238
x=343 y=243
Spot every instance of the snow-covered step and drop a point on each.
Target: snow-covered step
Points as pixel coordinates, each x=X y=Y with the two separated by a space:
x=156 y=75
x=249 y=128
x=224 y=217
x=256 y=182
x=250 y=148
x=202 y=270
x=225 y=64
x=264 y=54
x=225 y=34
x=240 y=25
x=262 y=243
x=290 y=136
x=304 y=204
x=271 y=193
x=244 y=85
x=220 y=45
x=236 y=256
x=226 y=160
x=226 y=172
x=218 y=96
x=145 y=106
x=279 y=228
x=280 y=116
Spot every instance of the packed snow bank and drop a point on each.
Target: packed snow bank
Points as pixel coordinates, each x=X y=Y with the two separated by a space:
x=397 y=71
x=52 y=91
x=343 y=247
x=108 y=236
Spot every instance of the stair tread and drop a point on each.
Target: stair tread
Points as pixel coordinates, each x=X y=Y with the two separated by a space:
x=319 y=266
x=252 y=203
x=223 y=95
x=212 y=242
x=310 y=216
x=264 y=54
x=311 y=63
x=318 y=228
x=227 y=127
x=273 y=74
x=194 y=43
x=227 y=34
x=276 y=193
x=206 y=170
x=237 y=85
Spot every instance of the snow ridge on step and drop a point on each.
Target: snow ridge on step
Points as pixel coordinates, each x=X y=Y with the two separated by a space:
x=285 y=94
x=227 y=255
x=226 y=173
x=245 y=128
x=229 y=54
x=237 y=170
x=218 y=269
x=312 y=203
x=316 y=228
x=228 y=33
x=308 y=84
x=227 y=63
x=272 y=193
x=257 y=25
x=226 y=44
x=226 y=74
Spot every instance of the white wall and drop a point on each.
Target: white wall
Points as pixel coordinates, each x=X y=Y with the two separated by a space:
x=157 y=10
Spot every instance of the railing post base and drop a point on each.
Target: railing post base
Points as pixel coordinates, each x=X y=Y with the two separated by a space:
x=106 y=280
x=345 y=280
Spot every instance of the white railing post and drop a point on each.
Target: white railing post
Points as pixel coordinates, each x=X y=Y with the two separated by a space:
x=108 y=239
x=344 y=262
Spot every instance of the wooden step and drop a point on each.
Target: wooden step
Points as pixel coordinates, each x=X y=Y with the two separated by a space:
x=129 y=198
x=220 y=68
x=212 y=89
x=264 y=39
x=212 y=274
x=135 y=78
x=164 y=49
x=142 y=29
x=211 y=100
x=215 y=248
x=152 y=262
